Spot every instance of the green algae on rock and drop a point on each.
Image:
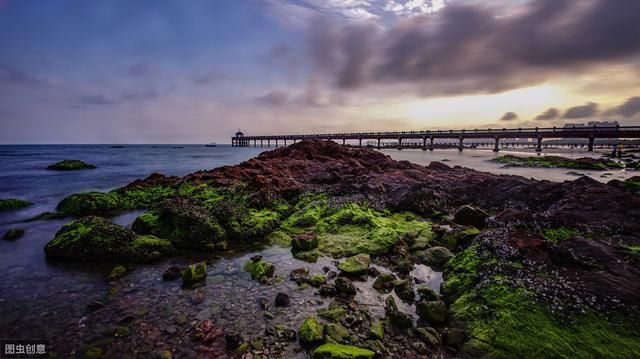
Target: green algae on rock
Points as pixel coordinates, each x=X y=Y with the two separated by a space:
x=311 y=332
x=355 y=265
x=97 y=239
x=259 y=269
x=341 y=351
x=10 y=204
x=585 y=163
x=194 y=275
x=117 y=272
x=70 y=165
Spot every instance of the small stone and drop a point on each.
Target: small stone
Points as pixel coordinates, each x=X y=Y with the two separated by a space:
x=345 y=286
x=470 y=215
x=429 y=335
x=171 y=329
x=282 y=300
x=432 y=311
x=117 y=272
x=311 y=332
x=267 y=315
x=264 y=303
x=328 y=290
x=300 y=275
x=355 y=265
x=256 y=258
x=97 y=305
x=172 y=273
x=194 y=275
x=233 y=340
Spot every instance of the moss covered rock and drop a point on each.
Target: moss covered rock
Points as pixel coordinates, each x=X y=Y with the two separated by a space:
x=305 y=242
x=10 y=204
x=194 y=275
x=70 y=165
x=432 y=311
x=339 y=351
x=13 y=234
x=185 y=224
x=97 y=239
x=335 y=333
x=436 y=256
x=311 y=332
x=260 y=269
x=356 y=265
x=117 y=272
x=90 y=203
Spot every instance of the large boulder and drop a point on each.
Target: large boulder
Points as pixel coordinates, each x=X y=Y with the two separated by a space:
x=186 y=224
x=356 y=265
x=470 y=215
x=97 y=239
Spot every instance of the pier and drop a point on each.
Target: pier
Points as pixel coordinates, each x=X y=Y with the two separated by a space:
x=429 y=139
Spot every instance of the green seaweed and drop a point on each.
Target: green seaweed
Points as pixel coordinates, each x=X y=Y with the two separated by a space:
x=10 y=204
x=340 y=351
x=558 y=234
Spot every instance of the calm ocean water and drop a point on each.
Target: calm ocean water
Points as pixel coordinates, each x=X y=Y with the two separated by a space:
x=35 y=289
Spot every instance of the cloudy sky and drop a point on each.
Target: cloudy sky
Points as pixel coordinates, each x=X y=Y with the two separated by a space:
x=162 y=71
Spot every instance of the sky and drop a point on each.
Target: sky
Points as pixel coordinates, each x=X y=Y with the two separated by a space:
x=171 y=71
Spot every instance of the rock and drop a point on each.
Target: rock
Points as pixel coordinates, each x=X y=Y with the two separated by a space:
x=427 y=293
x=282 y=300
x=401 y=264
x=172 y=273
x=356 y=265
x=345 y=286
x=384 y=283
x=305 y=242
x=70 y=165
x=328 y=290
x=335 y=333
x=13 y=234
x=256 y=258
x=437 y=256
x=97 y=239
x=399 y=319
x=404 y=290
x=376 y=330
x=429 y=335
x=300 y=275
x=194 y=275
x=339 y=351
x=10 y=204
x=267 y=315
x=117 y=272
x=264 y=303
x=233 y=340
x=44 y=216
x=260 y=269
x=121 y=331
x=171 y=329
x=93 y=353
x=470 y=215
x=454 y=336
x=310 y=332
x=94 y=306
x=432 y=311
x=331 y=274
x=333 y=314
x=317 y=280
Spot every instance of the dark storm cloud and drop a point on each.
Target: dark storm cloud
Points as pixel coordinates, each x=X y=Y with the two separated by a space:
x=628 y=109
x=550 y=114
x=465 y=48
x=509 y=116
x=584 y=111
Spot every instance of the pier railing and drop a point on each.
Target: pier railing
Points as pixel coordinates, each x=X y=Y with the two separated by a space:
x=538 y=133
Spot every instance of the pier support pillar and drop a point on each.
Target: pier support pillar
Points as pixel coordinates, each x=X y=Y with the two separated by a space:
x=431 y=144
x=496 y=147
x=460 y=145
x=285 y=142
x=591 y=141
x=424 y=143
x=359 y=142
x=378 y=143
x=276 y=143
x=539 y=146
x=399 y=143
x=343 y=141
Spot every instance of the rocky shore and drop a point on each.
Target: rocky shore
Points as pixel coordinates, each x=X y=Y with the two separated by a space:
x=531 y=269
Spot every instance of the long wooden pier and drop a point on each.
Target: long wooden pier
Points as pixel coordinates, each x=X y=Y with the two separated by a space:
x=427 y=137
